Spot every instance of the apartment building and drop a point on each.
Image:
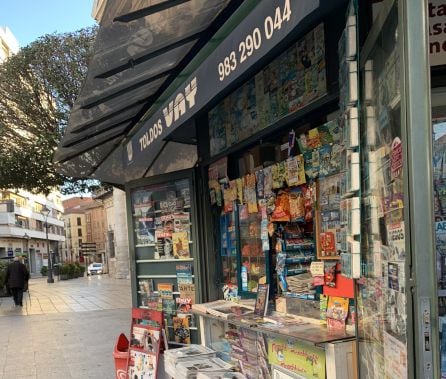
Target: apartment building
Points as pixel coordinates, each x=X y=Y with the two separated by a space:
x=75 y=228
x=8 y=43
x=96 y=232
x=23 y=227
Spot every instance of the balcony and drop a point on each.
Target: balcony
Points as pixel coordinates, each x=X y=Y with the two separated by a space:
x=13 y=231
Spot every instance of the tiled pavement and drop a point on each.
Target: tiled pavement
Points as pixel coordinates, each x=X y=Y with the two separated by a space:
x=65 y=330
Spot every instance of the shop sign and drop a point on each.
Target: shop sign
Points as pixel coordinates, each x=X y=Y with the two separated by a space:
x=437 y=32
x=300 y=358
x=267 y=24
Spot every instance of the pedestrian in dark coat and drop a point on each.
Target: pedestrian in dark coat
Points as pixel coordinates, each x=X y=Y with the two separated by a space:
x=17 y=277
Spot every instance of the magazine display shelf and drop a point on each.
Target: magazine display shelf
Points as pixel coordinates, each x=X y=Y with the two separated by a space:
x=164 y=240
x=338 y=347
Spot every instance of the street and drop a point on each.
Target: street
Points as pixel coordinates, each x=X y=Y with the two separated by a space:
x=64 y=330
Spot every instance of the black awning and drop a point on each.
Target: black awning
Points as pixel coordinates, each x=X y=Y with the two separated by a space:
x=140 y=49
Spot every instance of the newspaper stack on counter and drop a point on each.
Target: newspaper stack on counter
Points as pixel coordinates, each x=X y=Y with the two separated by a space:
x=189 y=369
x=228 y=375
x=192 y=353
x=300 y=284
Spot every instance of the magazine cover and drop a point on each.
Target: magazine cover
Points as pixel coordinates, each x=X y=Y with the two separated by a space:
x=144 y=338
x=181 y=222
x=181 y=330
x=146 y=286
x=180 y=242
x=143 y=367
x=165 y=290
x=261 y=304
x=164 y=246
x=184 y=273
x=187 y=291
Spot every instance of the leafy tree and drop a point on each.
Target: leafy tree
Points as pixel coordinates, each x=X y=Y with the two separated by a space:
x=38 y=88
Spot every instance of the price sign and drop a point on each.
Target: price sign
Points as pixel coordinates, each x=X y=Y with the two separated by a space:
x=317 y=268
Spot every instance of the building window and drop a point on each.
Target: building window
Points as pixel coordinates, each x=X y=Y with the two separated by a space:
x=79 y=232
x=79 y=223
x=80 y=241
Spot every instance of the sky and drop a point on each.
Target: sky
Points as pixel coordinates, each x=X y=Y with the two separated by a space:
x=31 y=19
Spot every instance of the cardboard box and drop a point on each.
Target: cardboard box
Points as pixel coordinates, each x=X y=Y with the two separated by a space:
x=256 y=157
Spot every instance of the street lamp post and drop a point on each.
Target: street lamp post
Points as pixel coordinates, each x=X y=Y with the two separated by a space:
x=27 y=238
x=45 y=212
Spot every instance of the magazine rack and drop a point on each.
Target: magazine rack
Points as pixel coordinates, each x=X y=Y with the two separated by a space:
x=146 y=338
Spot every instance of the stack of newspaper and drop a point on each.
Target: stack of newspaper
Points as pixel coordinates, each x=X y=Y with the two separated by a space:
x=202 y=365
x=300 y=284
x=180 y=363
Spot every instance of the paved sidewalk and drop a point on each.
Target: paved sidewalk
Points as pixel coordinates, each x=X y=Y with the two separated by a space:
x=75 y=295
x=67 y=330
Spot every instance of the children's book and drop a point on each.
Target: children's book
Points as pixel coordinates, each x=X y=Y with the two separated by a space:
x=261 y=304
x=180 y=242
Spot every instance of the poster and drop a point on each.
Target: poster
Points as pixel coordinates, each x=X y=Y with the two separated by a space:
x=437 y=32
x=297 y=357
x=396 y=357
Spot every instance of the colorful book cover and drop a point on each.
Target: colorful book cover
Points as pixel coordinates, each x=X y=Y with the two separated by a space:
x=181 y=330
x=165 y=290
x=312 y=163
x=295 y=168
x=337 y=311
x=325 y=135
x=325 y=167
x=261 y=304
x=180 y=242
x=323 y=302
x=184 y=273
x=313 y=139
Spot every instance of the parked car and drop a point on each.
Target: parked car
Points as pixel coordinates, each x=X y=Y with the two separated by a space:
x=95 y=268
